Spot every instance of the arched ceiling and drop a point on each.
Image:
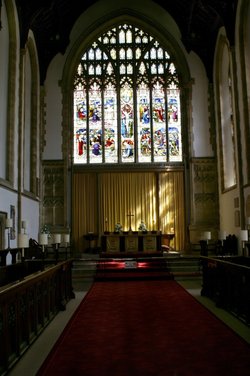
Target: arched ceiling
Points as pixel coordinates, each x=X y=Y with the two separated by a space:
x=199 y=21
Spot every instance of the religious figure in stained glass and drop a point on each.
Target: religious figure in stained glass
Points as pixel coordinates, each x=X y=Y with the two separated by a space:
x=144 y=132
x=127 y=123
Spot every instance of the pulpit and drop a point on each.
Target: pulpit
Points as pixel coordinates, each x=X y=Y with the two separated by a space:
x=91 y=239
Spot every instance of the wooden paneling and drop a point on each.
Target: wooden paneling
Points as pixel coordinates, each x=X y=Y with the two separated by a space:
x=27 y=306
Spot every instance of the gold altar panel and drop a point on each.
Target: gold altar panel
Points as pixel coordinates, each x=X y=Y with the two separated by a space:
x=131 y=244
x=149 y=244
x=113 y=244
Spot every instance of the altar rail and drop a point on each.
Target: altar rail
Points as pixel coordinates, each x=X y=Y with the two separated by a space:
x=226 y=281
x=26 y=308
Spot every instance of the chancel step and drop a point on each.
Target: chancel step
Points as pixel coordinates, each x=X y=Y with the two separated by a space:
x=84 y=270
x=132 y=268
x=186 y=265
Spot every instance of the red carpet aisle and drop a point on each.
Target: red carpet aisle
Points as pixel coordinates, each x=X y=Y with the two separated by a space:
x=146 y=328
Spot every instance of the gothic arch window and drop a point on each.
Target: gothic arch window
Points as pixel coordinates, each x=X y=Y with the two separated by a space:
x=227 y=122
x=126 y=101
x=30 y=126
x=8 y=79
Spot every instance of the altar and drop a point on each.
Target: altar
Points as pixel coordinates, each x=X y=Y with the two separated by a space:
x=133 y=242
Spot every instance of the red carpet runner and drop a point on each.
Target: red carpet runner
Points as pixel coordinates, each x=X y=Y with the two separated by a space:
x=146 y=328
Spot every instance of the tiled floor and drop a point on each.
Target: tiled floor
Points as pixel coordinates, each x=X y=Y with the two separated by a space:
x=34 y=357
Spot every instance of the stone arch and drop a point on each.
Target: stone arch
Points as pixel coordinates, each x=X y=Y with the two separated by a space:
x=35 y=111
x=88 y=34
x=225 y=106
x=243 y=40
x=12 y=90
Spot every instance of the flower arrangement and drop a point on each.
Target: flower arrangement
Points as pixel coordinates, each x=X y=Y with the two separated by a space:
x=142 y=226
x=118 y=227
x=46 y=230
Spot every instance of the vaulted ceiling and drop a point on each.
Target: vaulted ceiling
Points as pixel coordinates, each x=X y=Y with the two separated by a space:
x=198 y=20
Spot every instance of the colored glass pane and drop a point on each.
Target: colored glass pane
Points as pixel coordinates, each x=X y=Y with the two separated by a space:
x=95 y=124
x=127 y=124
x=174 y=124
x=80 y=125
x=110 y=125
x=159 y=123
x=144 y=124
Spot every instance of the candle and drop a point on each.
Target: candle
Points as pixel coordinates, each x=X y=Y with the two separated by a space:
x=24 y=225
x=8 y=223
x=57 y=238
x=244 y=235
x=23 y=241
x=207 y=235
x=43 y=239
x=222 y=235
x=66 y=238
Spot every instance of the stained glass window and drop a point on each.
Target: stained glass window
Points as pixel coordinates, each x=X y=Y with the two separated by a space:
x=126 y=101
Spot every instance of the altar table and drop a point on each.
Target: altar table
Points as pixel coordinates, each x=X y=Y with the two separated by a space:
x=131 y=242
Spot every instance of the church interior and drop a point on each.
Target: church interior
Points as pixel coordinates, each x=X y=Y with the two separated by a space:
x=124 y=132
